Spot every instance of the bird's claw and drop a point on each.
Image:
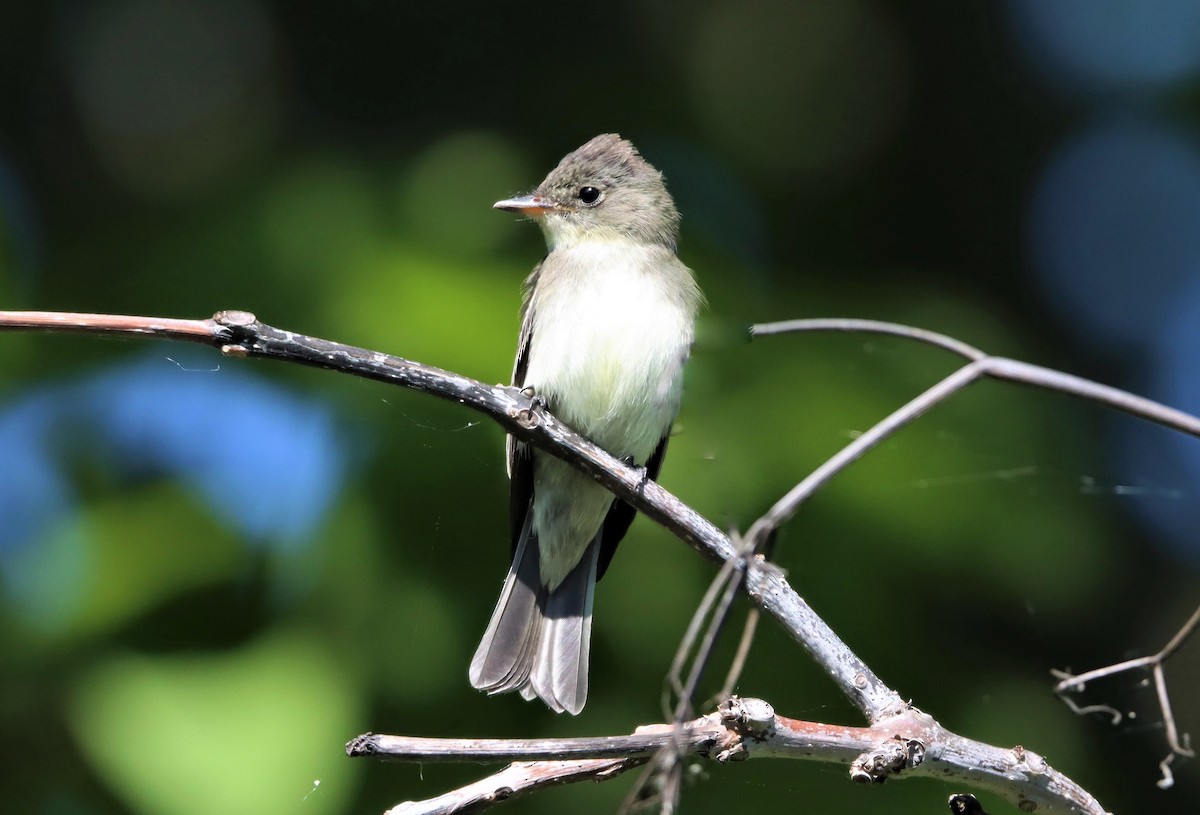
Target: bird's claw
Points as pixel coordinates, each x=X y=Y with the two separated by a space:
x=528 y=416
x=643 y=473
x=536 y=400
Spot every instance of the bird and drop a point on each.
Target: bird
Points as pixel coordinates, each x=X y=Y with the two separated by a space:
x=607 y=323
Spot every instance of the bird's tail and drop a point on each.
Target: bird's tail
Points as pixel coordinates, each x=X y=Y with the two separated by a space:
x=538 y=640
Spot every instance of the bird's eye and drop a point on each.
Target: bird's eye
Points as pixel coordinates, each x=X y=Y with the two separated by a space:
x=589 y=195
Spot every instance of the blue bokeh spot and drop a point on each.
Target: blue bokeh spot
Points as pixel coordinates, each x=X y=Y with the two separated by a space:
x=266 y=461
x=1110 y=45
x=1114 y=228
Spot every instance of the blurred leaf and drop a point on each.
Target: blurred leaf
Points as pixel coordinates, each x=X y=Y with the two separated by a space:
x=837 y=87
x=317 y=216
x=446 y=201
x=423 y=643
x=425 y=306
x=95 y=570
x=149 y=545
x=251 y=730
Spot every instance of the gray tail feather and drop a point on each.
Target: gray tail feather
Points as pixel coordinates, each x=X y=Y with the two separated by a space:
x=559 y=674
x=505 y=654
x=538 y=640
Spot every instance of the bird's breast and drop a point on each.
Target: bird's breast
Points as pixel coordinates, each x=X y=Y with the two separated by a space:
x=610 y=336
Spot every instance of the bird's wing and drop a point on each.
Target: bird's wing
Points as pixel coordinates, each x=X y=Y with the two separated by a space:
x=519 y=456
x=620 y=514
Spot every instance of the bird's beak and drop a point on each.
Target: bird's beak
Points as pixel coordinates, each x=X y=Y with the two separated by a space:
x=532 y=205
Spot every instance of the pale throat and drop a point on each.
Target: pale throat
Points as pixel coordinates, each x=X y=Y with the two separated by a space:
x=562 y=232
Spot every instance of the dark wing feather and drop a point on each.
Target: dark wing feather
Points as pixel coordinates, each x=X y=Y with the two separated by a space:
x=520 y=488
x=522 y=362
x=620 y=515
x=520 y=458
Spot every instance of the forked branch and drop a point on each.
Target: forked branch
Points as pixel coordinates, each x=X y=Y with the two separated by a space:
x=1179 y=744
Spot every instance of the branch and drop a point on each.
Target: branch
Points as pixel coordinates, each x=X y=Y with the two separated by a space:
x=1180 y=746
x=907 y=745
x=515 y=781
x=981 y=365
x=240 y=334
x=760 y=537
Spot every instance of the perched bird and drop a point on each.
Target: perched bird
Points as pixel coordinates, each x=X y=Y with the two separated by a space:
x=607 y=323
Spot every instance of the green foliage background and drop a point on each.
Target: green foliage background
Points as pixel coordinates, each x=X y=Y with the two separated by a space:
x=331 y=168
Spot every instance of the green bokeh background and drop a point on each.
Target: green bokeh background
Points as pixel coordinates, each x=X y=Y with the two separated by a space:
x=331 y=168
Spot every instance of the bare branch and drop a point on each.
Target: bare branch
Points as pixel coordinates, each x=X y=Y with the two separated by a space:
x=515 y=781
x=1181 y=636
x=63 y=322
x=240 y=334
x=868 y=327
x=714 y=607
x=909 y=744
x=786 y=506
x=738 y=663
x=981 y=365
x=641 y=744
x=1004 y=368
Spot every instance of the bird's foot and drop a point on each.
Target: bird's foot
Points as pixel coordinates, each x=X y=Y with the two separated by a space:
x=643 y=473
x=537 y=403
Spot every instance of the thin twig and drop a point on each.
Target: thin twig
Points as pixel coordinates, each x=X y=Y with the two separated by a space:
x=674 y=680
x=786 y=506
x=1178 y=744
x=671 y=757
x=980 y=366
x=1004 y=368
x=716 y=625
x=868 y=327
x=765 y=548
x=665 y=771
x=738 y=664
x=1181 y=636
x=515 y=781
x=720 y=603
x=661 y=781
